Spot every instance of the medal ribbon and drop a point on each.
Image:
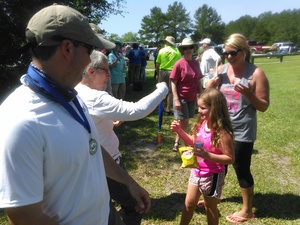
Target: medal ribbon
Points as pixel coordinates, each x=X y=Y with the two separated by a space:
x=43 y=86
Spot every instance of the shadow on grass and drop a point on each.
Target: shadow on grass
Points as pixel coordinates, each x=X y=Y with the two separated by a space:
x=166 y=208
x=272 y=205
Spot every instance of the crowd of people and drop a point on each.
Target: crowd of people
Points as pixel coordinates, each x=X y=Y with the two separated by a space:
x=60 y=157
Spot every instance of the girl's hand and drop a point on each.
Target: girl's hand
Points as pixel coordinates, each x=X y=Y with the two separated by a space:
x=200 y=153
x=175 y=126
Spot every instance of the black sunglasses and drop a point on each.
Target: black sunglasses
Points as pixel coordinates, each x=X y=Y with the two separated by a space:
x=89 y=48
x=232 y=53
x=187 y=47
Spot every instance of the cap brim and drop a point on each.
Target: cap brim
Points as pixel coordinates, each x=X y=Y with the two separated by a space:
x=100 y=42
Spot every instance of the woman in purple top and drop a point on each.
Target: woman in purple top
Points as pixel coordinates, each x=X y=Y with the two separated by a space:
x=214 y=127
x=185 y=82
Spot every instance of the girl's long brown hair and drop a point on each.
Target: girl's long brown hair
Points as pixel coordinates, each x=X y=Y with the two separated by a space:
x=219 y=115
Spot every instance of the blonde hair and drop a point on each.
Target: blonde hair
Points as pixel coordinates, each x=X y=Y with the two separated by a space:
x=238 y=41
x=219 y=115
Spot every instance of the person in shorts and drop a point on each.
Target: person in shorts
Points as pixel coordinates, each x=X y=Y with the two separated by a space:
x=213 y=126
x=166 y=59
x=185 y=82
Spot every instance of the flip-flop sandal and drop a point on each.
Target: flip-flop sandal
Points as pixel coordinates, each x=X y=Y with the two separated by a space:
x=238 y=219
x=169 y=113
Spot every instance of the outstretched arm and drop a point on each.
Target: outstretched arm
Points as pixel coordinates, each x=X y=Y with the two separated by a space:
x=108 y=107
x=176 y=127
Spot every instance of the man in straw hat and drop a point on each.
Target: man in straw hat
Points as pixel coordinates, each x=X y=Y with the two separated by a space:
x=53 y=169
x=165 y=61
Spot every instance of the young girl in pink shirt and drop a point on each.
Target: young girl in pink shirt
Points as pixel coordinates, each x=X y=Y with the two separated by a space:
x=214 y=127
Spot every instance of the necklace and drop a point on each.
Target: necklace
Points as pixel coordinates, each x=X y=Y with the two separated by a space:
x=39 y=83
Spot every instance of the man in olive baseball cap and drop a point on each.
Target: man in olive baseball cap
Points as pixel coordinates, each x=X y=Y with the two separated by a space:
x=52 y=168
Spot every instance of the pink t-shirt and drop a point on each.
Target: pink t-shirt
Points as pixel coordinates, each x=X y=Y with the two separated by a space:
x=206 y=167
x=187 y=74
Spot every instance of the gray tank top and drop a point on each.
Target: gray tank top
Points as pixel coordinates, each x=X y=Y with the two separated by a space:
x=242 y=113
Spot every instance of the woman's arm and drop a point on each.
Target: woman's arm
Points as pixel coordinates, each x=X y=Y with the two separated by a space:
x=108 y=107
x=175 y=94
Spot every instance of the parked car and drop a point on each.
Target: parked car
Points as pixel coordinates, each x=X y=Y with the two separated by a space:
x=255 y=46
x=217 y=48
x=213 y=45
x=285 y=47
x=150 y=50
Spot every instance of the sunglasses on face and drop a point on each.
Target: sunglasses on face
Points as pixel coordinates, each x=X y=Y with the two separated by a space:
x=187 y=47
x=232 y=53
x=89 y=48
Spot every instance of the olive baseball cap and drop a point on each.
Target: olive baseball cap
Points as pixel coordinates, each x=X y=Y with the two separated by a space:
x=97 y=31
x=54 y=23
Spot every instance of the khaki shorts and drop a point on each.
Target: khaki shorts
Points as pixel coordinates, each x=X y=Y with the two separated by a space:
x=164 y=76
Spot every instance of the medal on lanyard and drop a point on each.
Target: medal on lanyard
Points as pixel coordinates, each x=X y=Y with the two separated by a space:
x=41 y=83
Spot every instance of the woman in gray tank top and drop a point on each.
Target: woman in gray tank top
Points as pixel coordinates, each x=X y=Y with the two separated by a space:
x=246 y=89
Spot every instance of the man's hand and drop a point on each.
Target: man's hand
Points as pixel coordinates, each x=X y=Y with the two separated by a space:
x=141 y=196
x=115 y=172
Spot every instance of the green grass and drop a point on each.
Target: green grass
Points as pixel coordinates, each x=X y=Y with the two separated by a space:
x=275 y=163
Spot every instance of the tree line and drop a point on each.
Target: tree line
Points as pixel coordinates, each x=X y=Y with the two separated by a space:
x=267 y=28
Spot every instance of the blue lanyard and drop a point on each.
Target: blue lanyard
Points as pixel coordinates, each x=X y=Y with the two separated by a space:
x=42 y=85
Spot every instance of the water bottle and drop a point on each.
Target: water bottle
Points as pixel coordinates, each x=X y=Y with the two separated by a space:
x=211 y=73
x=198 y=144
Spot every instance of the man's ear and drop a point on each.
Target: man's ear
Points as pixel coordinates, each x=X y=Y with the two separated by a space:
x=66 y=47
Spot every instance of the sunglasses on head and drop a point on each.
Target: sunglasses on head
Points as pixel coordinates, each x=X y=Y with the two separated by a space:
x=187 y=47
x=232 y=53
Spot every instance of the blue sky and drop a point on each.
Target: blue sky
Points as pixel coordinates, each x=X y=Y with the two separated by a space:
x=229 y=10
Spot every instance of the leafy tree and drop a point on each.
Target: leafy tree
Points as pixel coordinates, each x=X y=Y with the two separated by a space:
x=15 y=14
x=113 y=37
x=178 y=22
x=153 y=26
x=208 y=24
x=262 y=32
x=268 y=27
x=243 y=25
x=288 y=26
x=130 y=37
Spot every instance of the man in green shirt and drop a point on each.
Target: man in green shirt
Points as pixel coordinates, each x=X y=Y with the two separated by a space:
x=165 y=61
